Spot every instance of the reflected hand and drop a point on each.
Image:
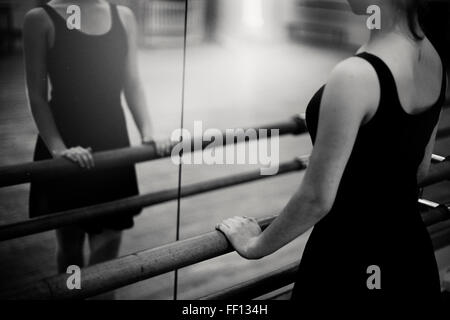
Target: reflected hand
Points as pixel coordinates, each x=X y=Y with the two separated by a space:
x=82 y=156
x=242 y=233
x=163 y=146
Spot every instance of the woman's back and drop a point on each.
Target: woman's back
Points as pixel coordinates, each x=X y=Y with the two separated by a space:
x=373 y=127
x=416 y=67
x=375 y=218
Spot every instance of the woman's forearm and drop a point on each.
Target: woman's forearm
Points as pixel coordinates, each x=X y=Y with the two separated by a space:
x=137 y=104
x=46 y=126
x=300 y=214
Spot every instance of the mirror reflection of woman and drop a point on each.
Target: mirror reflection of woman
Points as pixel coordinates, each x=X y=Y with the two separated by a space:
x=373 y=139
x=88 y=69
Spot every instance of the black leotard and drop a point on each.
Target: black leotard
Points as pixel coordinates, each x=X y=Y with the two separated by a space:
x=87 y=75
x=375 y=219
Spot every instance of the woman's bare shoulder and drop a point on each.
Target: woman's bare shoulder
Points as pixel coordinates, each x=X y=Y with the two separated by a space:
x=355 y=79
x=355 y=67
x=36 y=21
x=433 y=57
x=126 y=15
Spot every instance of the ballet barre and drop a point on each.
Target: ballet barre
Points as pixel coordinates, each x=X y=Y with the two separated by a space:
x=433 y=212
x=439 y=172
x=117 y=273
x=57 y=168
x=49 y=222
x=126 y=270
x=70 y=217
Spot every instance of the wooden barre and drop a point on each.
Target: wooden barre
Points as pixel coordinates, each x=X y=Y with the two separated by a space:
x=57 y=168
x=438 y=173
x=57 y=220
x=117 y=273
x=49 y=222
x=284 y=276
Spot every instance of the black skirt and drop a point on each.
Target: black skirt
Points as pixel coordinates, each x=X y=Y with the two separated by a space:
x=87 y=75
x=85 y=189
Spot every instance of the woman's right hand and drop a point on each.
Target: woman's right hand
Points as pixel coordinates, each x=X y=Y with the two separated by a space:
x=81 y=156
x=163 y=146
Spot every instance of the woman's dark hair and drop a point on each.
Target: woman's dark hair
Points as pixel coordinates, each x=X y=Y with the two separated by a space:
x=433 y=17
x=436 y=24
x=415 y=9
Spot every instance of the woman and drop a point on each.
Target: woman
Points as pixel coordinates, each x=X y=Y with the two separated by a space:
x=88 y=69
x=373 y=140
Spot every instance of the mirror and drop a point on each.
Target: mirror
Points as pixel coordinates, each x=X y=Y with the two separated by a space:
x=255 y=66
x=105 y=80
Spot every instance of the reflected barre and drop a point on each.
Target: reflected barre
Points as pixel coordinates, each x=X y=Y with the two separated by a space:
x=57 y=220
x=56 y=168
x=114 y=274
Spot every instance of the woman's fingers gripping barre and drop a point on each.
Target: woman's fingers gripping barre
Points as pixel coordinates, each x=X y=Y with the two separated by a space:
x=82 y=156
x=243 y=234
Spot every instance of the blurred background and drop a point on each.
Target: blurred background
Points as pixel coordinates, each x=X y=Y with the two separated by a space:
x=248 y=62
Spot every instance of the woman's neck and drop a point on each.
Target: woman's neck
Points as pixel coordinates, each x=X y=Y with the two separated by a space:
x=394 y=22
